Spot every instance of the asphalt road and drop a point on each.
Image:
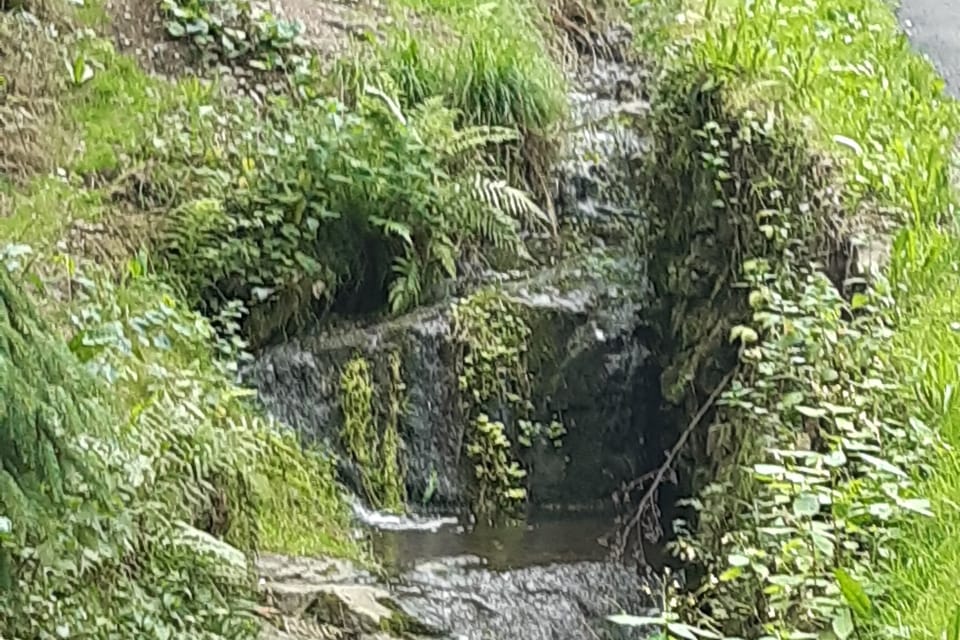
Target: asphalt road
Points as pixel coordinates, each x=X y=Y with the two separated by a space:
x=934 y=28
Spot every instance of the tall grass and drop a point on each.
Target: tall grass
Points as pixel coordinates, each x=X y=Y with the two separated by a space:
x=492 y=61
x=845 y=70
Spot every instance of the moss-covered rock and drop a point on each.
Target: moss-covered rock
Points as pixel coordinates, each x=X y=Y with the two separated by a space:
x=585 y=364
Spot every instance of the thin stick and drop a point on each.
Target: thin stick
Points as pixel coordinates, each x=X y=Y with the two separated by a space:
x=657 y=479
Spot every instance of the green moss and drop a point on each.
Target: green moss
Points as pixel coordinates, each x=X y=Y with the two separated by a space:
x=302 y=509
x=493 y=349
x=374 y=447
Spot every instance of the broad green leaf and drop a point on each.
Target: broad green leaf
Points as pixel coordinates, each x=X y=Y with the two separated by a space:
x=843 y=624
x=853 y=593
x=882 y=464
x=811 y=412
x=737 y=560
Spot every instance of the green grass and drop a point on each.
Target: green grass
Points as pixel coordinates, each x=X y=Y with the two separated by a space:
x=927 y=573
x=493 y=61
x=40 y=212
x=110 y=117
x=869 y=101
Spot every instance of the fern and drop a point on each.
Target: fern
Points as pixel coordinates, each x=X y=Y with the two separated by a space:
x=479 y=136
x=514 y=202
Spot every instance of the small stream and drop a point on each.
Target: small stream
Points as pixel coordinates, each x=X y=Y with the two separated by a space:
x=545 y=538
x=548 y=578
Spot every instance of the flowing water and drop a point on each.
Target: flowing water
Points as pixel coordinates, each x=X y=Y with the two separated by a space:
x=547 y=578
x=545 y=538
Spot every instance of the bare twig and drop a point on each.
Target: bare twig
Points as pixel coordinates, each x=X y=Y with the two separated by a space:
x=645 y=502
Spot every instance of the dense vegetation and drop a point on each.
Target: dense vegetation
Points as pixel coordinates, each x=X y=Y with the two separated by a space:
x=172 y=221
x=792 y=130
x=159 y=225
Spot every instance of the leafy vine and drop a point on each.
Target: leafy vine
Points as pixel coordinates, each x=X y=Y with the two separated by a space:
x=493 y=342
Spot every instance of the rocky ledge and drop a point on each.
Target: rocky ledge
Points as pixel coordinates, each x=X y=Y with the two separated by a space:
x=448 y=598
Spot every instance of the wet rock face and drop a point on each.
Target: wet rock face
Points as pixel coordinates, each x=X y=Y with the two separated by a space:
x=451 y=598
x=589 y=365
x=592 y=178
x=552 y=602
x=299 y=383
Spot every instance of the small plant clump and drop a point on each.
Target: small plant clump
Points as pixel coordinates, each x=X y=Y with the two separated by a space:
x=493 y=342
x=374 y=448
x=493 y=63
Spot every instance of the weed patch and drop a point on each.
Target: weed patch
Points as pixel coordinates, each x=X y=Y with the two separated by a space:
x=494 y=63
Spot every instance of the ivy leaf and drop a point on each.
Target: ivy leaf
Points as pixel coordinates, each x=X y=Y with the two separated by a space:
x=811 y=412
x=176 y=29
x=806 y=505
x=835 y=458
x=843 y=624
x=883 y=465
x=737 y=560
x=853 y=593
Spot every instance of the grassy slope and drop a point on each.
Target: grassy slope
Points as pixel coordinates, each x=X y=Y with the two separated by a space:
x=846 y=65
x=98 y=131
x=107 y=116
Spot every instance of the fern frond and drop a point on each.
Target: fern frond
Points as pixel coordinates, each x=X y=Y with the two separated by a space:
x=393 y=227
x=490 y=223
x=514 y=202
x=473 y=137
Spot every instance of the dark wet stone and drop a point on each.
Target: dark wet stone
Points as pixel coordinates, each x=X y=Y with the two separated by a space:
x=460 y=598
x=590 y=367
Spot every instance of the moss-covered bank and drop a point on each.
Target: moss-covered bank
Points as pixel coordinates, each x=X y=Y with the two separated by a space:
x=795 y=137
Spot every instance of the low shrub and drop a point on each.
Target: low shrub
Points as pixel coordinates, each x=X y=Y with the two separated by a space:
x=300 y=208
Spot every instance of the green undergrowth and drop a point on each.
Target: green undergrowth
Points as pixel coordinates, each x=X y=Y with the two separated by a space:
x=163 y=449
x=787 y=129
x=494 y=63
x=492 y=334
x=130 y=455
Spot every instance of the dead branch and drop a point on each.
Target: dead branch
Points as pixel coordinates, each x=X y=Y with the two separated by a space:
x=647 y=500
